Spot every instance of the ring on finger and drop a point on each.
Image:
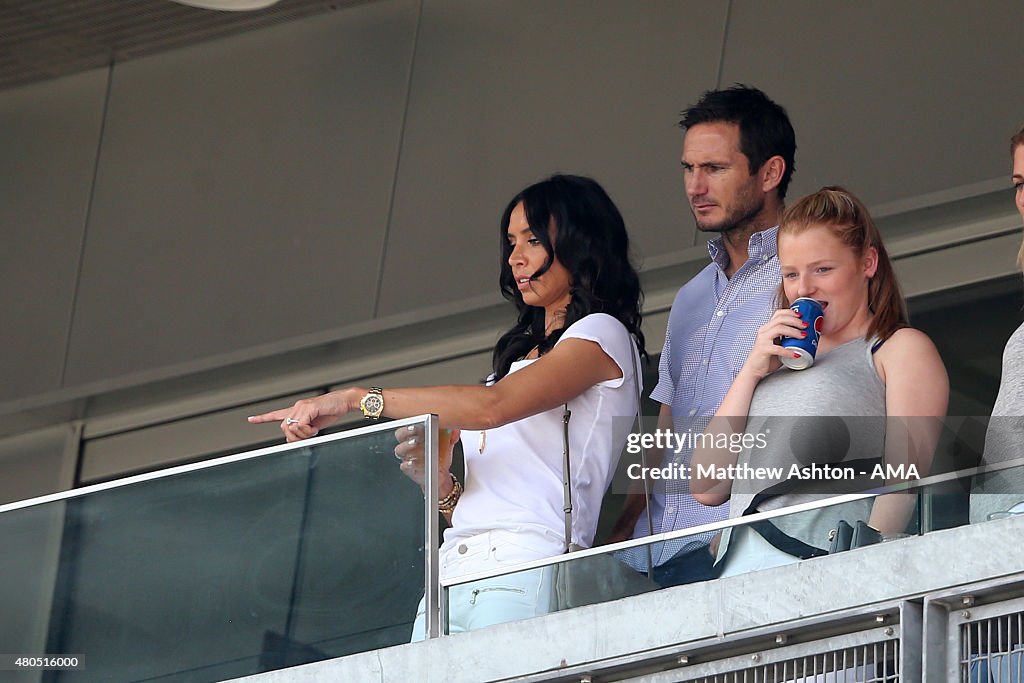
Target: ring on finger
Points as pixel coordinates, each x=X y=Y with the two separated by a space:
x=291 y=421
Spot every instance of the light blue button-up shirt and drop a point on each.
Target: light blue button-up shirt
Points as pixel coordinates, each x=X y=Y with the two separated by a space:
x=711 y=329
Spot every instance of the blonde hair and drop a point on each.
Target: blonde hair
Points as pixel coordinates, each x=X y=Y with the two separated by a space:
x=848 y=219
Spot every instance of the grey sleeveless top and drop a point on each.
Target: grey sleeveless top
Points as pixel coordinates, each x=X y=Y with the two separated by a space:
x=822 y=432
x=999 y=491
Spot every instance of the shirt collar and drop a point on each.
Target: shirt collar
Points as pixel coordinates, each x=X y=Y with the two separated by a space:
x=762 y=246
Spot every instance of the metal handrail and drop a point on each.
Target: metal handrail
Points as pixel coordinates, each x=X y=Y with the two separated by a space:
x=214 y=462
x=902 y=487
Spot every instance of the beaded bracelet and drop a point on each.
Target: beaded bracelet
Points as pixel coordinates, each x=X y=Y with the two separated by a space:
x=447 y=504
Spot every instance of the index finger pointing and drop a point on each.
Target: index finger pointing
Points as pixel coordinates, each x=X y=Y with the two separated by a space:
x=273 y=416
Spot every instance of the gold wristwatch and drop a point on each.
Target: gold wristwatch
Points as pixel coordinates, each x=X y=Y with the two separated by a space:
x=372 y=404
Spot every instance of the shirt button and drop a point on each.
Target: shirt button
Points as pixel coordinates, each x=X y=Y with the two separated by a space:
x=692 y=413
x=704 y=362
x=463 y=549
x=670 y=509
x=719 y=313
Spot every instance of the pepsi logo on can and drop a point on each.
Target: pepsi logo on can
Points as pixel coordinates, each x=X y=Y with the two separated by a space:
x=811 y=312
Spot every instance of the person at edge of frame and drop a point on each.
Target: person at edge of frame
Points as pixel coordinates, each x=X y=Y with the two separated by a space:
x=999 y=494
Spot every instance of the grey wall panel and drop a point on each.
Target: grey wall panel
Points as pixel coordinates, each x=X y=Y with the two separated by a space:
x=892 y=99
x=505 y=93
x=180 y=441
x=38 y=463
x=48 y=134
x=243 y=191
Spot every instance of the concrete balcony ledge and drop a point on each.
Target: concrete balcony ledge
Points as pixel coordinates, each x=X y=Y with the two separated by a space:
x=647 y=634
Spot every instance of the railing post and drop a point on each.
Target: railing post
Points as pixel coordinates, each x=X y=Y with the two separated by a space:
x=431 y=579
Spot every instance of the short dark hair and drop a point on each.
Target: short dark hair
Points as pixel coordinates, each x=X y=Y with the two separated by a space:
x=765 y=130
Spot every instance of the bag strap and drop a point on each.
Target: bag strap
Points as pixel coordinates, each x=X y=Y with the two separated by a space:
x=567 y=480
x=566 y=483
x=643 y=460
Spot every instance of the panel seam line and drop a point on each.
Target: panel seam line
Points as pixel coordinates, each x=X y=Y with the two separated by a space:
x=85 y=228
x=398 y=164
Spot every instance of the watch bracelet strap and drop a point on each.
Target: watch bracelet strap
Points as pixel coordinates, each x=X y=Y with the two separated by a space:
x=379 y=392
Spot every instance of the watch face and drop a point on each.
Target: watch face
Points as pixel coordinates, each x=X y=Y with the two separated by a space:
x=373 y=404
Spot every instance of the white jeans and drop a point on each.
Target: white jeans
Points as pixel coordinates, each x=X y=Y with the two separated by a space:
x=519 y=595
x=749 y=552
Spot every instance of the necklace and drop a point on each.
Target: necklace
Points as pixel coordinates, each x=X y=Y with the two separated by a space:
x=557 y=319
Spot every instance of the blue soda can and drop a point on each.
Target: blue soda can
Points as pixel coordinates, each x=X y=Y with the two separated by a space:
x=811 y=313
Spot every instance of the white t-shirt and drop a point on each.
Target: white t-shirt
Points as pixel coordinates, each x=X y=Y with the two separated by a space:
x=515 y=484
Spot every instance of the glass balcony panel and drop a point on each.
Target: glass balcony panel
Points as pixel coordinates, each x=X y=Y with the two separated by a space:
x=229 y=568
x=31 y=538
x=597 y=575
x=997 y=491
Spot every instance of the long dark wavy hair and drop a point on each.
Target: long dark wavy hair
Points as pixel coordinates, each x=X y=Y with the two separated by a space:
x=591 y=242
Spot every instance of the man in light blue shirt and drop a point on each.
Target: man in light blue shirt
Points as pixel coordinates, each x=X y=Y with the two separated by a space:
x=738 y=158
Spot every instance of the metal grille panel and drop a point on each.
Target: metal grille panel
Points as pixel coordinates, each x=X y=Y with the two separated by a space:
x=871 y=663
x=991 y=650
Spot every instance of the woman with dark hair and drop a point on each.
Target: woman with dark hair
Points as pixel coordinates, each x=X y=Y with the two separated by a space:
x=873 y=396
x=576 y=343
